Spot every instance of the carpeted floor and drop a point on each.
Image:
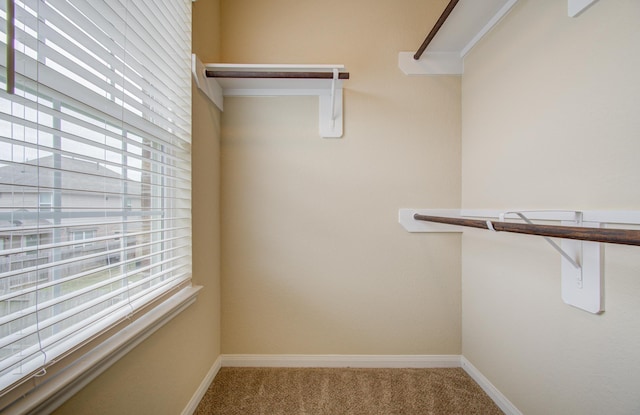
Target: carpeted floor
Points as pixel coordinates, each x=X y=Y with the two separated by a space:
x=287 y=391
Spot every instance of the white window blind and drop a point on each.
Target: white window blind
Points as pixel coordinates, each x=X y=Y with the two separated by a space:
x=94 y=146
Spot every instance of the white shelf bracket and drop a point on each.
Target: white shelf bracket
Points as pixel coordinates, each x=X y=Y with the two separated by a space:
x=208 y=86
x=573 y=262
x=330 y=117
x=582 y=273
x=584 y=287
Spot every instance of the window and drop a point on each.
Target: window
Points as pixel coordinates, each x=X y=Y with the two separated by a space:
x=44 y=201
x=30 y=241
x=95 y=125
x=84 y=235
x=30 y=244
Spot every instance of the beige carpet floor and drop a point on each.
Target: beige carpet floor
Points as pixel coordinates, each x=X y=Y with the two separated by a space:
x=288 y=391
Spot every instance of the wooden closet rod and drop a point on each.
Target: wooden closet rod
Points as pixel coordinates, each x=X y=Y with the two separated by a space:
x=443 y=17
x=269 y=74
x=607 y=235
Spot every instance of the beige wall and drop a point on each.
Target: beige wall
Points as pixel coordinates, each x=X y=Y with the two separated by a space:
x=314 y=261
x=551 y=120
x=161 y=375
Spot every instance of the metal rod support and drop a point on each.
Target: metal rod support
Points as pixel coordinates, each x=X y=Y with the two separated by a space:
x=606 y=235
x=551 y=242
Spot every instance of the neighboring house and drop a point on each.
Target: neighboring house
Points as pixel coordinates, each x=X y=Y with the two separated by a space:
x=64 y=218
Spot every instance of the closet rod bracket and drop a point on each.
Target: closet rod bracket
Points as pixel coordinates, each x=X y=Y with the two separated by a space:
x=582 y=283
x=582 y=275
x=574 y=262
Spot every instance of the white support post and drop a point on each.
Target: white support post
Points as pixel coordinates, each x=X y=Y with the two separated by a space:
x=583 y=288
x=330 y=116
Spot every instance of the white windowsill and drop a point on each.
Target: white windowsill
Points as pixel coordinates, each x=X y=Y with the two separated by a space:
x=49 y=396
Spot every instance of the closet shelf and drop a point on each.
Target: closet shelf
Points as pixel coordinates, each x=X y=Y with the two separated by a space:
x=581 y=232
x=460 y=27
x=218 y=80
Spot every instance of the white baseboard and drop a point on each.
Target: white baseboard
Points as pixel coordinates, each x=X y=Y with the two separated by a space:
x=503 y=403
x=202 y=389
x=358 y=361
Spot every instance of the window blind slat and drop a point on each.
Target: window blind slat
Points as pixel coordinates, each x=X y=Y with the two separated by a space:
x=152 y=191
x=162 y=17
x=109 y=66
x=72 y=89
x=51 y=227
x=73 y=260
x=64 y=244
x=102 y=181
x=134 y=44
x=111 y=47
x=121 y=278
x=165 y=162
x=152 y=34
x=138 y=100
x=150 y=111
x=132 y=307
x=82 y=140
x=85 y=306
x=166 y=277
x=138 y=46
x=33 y=289
x=74 y=110
x=129 y=307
